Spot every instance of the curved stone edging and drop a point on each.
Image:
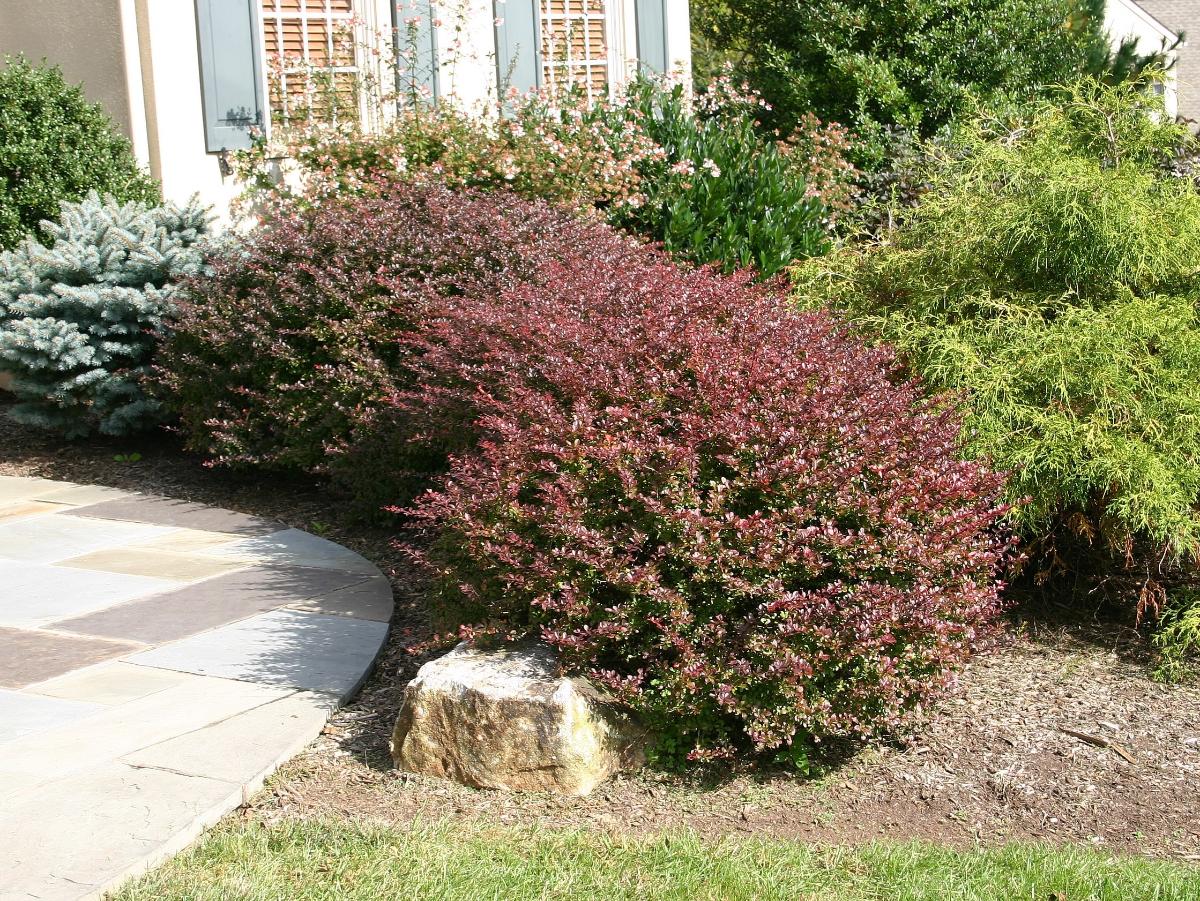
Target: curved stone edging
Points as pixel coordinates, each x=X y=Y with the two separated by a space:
x=158 y=660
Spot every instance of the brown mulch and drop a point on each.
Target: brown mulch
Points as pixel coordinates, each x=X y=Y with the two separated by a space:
x=1060 y=736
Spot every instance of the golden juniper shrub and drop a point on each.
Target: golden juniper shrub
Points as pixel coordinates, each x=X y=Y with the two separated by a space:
x=1051 y=275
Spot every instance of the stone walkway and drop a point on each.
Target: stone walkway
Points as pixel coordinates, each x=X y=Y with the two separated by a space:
x=158 y=659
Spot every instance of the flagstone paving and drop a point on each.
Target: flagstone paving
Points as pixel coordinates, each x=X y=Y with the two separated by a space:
x=158 y=659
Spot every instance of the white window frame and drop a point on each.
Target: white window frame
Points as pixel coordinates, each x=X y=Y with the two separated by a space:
x=367 y=16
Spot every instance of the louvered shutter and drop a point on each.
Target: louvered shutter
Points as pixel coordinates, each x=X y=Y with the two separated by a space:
x=422 y=39
x=651 y=18
x=518 y=51
x=230 y=72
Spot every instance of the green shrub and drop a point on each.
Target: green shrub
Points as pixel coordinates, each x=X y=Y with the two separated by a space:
x=917 y=65
x=720 y=192
x=82 y=314
x=56 y=146
x=1051 y=274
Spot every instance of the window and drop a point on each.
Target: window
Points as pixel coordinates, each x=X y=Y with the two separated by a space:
x=575 y=45
x=311 y=59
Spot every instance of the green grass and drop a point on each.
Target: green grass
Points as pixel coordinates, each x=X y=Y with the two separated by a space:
x=337 y=860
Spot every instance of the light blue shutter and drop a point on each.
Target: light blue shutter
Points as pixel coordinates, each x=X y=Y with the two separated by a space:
x=230 y=72
x=518 y=49
x=422 y=40
x=651 y=19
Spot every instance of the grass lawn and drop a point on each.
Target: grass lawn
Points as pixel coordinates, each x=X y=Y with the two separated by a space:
x=313 y=859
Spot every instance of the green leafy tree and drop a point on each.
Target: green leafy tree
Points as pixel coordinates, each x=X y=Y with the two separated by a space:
x=1050 y=276
x=56 y=146
x=82 y=314
x=876 y=65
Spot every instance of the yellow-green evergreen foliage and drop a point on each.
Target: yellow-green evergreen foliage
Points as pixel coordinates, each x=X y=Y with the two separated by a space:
x=1051 y=276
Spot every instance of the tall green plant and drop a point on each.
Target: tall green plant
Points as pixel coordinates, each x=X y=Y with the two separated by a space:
x=916 y=65
x=56 y=146
x=720 y=192
x=1051 y=274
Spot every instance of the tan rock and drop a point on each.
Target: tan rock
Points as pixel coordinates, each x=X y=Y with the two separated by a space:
x=506 y=719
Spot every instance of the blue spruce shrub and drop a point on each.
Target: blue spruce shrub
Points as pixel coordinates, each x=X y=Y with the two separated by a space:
x=82 y=313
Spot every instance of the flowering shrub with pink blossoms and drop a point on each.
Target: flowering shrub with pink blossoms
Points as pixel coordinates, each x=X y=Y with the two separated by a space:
x=700 y=175
x=567 y=151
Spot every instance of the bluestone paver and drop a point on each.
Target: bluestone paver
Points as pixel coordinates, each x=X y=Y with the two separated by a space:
x=296 y=548
x=206 y=605
x=45 y=539
x=17 y=488
x=153 y=671
x=80 y=495
x=371 y=599
x=185 y=541
x=29 y=656
x=67 y=839
x=155 y=564
x=110 y=683
x=21 y=509
x=113 y=732
x=284 y=647
x=264 y=736
x=36 y=594
x=24 y=714
x=165 y=511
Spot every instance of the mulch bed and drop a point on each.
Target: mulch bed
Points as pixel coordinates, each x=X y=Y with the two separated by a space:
x=1060 y=735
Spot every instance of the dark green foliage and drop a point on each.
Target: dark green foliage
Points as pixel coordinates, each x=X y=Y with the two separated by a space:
x=82 y=314
x=719 y=193
x=875 y=64
x=1050 y=273
x=56 y=146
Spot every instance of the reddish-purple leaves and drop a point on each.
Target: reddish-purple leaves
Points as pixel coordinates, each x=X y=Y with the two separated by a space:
x=730 y=514
x=727 y=512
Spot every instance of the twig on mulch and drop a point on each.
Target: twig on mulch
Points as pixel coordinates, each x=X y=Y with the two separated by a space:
x=1100 y=742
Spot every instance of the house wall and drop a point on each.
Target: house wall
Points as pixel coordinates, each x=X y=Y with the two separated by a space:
x=1183 y=16
x=170 y=67
x=139 y=59
x=1126 y=19
x=80 y=36
x=466 y=39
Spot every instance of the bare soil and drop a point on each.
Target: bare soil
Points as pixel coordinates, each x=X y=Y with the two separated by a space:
x=1061 y=735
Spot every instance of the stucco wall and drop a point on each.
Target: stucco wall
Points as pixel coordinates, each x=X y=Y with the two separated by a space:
x=170 y=68
x=84 y=37
x=1183 y=15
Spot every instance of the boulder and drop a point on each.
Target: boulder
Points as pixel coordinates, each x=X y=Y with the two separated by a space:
x=506 y=719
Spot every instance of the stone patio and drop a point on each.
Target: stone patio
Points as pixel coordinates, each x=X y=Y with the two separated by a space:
x=158 y=659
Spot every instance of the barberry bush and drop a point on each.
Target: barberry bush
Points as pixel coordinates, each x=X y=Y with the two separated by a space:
x=82 y=313
x=287 y=353
x=729 y=514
